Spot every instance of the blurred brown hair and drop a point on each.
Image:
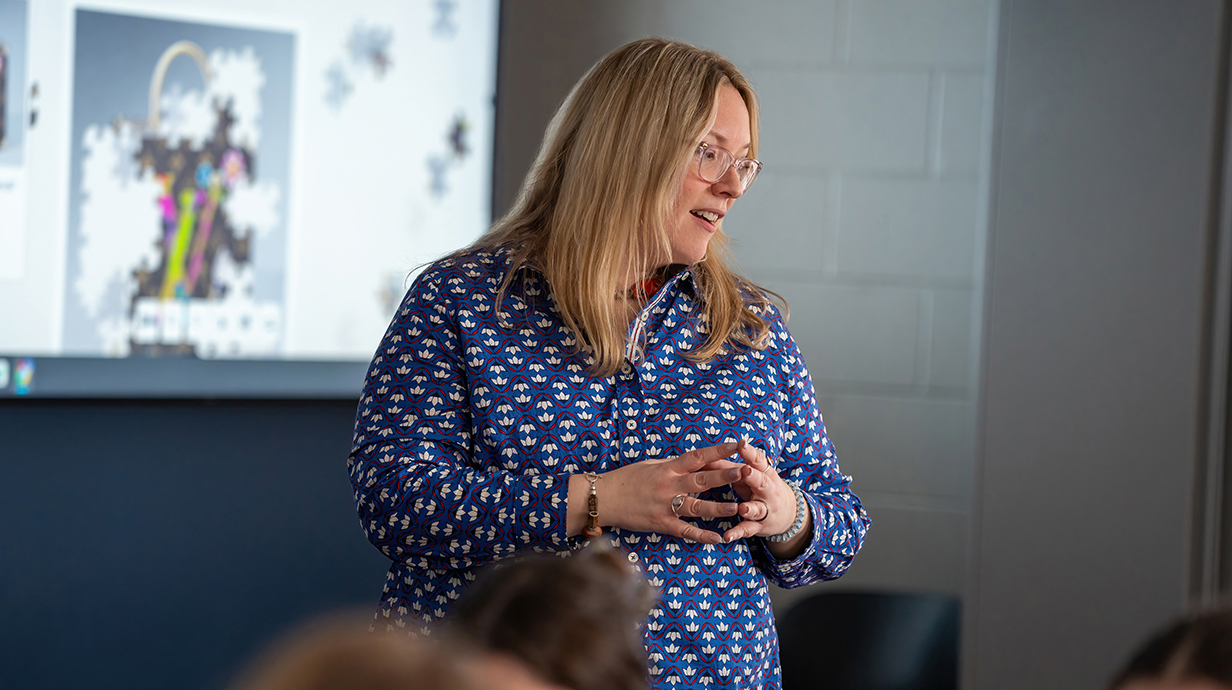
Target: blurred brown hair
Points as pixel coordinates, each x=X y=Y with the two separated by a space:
x=576 y=621
x=339 y=653
x=1197 y=648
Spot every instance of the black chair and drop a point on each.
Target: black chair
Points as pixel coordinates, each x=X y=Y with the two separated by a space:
x=870 y=641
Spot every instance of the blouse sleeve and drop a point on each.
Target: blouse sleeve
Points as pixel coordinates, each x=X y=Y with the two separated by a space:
x=421 y=499
x=808 y=460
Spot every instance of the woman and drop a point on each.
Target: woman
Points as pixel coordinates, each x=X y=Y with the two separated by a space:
x=592 y=363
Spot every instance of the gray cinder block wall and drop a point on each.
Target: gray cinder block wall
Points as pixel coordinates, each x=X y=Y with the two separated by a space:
x=870 y=224
x=867 y=218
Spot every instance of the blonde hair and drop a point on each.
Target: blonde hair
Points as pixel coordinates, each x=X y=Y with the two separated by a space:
x=602 y=190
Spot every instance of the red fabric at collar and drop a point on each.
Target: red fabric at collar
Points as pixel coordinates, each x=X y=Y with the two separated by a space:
x=647 y=287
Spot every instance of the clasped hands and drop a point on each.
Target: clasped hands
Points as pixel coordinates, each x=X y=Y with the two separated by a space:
x=639 y=497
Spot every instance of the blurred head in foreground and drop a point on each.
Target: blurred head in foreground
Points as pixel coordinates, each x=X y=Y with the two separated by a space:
x=576 y=622
x=339 y=653
x=1194 y=654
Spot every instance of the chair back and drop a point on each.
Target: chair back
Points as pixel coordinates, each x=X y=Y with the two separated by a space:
x=870 y=641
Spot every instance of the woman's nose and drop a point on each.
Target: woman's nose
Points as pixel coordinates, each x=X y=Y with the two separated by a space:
x=730 y=184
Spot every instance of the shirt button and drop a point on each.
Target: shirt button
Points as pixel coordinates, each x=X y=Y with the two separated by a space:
x=633 y=557
x=630 y=425
x=626 y=370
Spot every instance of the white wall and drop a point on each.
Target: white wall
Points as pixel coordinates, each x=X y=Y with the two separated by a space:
x=867 y=218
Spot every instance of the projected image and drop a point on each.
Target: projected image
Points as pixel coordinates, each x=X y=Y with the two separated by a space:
x=367 y=51
x=183 y=185
x=4 y=73
x=12 y=80
x=13 y=127
x=178 y=243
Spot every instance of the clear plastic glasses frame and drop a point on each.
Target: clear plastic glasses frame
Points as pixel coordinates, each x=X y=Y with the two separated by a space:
x=714 y=161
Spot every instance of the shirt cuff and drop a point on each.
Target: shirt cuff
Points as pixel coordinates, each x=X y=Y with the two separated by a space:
x=543 y=505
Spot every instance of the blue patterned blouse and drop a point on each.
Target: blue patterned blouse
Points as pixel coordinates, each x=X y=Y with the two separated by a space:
x=473 y=418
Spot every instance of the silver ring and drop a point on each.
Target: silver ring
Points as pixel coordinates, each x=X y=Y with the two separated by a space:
x=677 y=504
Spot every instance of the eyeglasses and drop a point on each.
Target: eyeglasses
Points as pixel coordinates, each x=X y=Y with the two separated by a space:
x=714 y=161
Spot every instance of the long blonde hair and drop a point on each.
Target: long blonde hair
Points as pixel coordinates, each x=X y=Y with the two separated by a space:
x=603 y=188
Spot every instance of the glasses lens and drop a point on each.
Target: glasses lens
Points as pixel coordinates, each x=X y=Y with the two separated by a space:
x=747 y=170
x=712 y=163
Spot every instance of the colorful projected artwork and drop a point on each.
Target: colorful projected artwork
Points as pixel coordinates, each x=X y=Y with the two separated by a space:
x=172 y=209
x=195 y=184
x=218 y=180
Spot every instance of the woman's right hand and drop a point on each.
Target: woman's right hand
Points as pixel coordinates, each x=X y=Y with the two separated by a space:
x=639 y=497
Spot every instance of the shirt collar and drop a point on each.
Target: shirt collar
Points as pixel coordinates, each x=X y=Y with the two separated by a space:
x=684 y=277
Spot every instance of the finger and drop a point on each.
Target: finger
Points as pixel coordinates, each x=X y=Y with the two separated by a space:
x=743 y=530
x=696 y=459
x=752 y=455
x=740 y=486
x=759 y=482
x=694 y=533
x=721 y=465
x=696 y=507
x=700 y=481
x=756 y=510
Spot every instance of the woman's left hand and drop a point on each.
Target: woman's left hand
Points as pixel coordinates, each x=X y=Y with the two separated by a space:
x=769 y=504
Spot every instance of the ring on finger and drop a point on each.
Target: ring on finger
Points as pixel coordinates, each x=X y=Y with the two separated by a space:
x=765 y=511
x=677 y=504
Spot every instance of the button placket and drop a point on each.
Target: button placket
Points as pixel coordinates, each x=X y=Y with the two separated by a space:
x=629 y=406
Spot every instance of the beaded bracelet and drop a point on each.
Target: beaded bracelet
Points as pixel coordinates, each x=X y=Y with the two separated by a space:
x=801 y=507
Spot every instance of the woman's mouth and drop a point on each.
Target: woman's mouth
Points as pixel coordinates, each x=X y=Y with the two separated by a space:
x=710 y=218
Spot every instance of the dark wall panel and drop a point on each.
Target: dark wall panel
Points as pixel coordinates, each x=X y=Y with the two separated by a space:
x=159 y=544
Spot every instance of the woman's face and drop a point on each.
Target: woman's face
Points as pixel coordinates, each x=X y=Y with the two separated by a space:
x=691 y=230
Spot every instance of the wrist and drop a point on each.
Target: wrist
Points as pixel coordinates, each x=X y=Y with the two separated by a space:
x=611 y=492
x=592 y=528
x=607 y=497
x=800 y=515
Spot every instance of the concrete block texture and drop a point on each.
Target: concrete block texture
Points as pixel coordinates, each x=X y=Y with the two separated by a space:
x=964 y=102
x=906 y=227
x=770 y=32
x=953 y=312
x=904 y=446
x=778 y=223
x=854 y=334
x=937 y=33
x=825 y=120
